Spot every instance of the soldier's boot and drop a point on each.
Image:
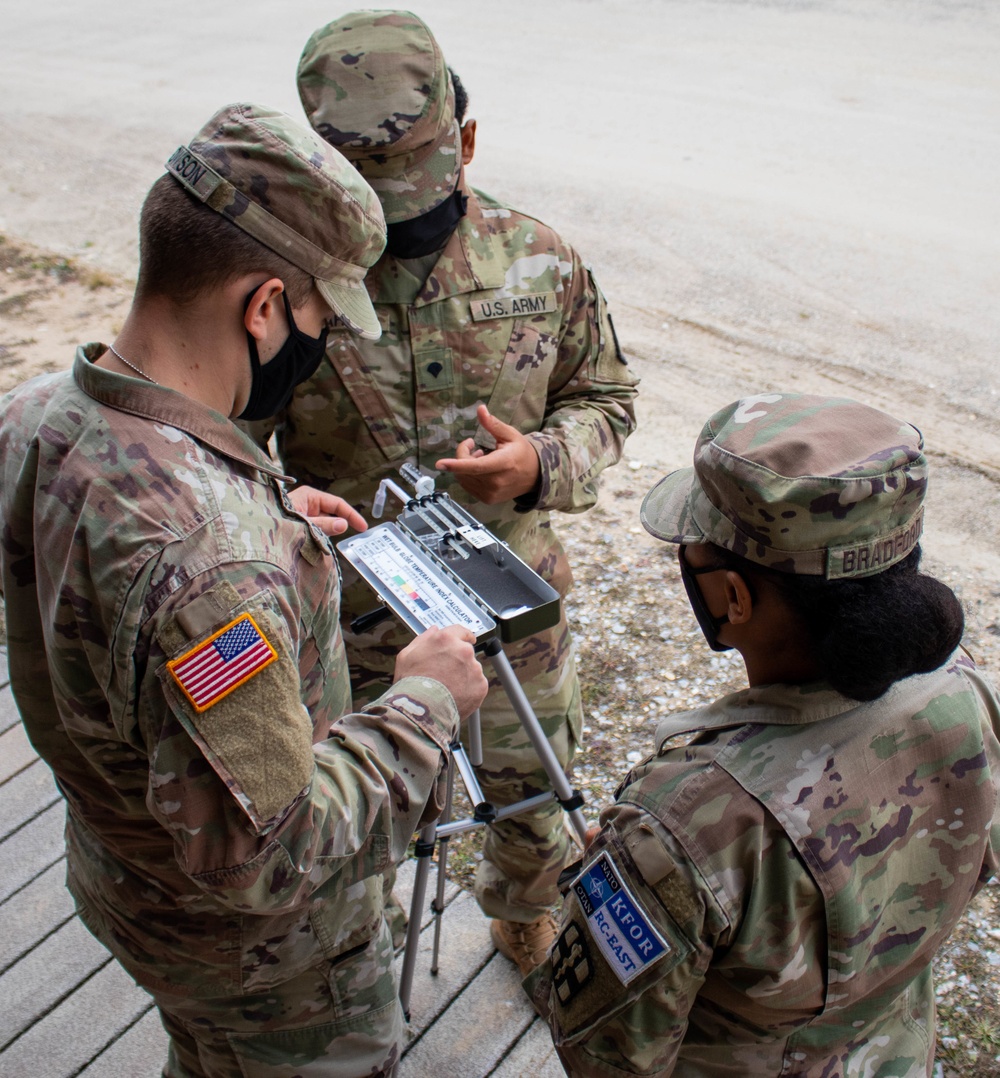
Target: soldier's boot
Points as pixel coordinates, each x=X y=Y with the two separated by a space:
x=525 y=944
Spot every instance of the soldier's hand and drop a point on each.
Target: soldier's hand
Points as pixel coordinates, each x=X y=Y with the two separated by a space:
x=332 y=515
x=448 y=656
x=510 y=470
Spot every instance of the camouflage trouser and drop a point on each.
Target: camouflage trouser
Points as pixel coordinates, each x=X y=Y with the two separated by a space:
x=523 y=855
x=339 y=1019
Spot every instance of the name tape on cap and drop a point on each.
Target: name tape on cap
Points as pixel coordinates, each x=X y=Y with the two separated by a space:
x=864 y=559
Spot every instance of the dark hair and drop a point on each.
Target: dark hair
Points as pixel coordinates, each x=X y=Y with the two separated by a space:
x=185 y=248
x=870 y=632
x=461 y=97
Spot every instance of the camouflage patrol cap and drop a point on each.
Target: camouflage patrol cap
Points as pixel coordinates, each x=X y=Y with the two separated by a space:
x=375 y=85
x=279 y=182
x=821 y=486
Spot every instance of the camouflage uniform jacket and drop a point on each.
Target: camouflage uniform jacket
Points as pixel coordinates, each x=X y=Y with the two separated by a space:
x=767 y=898
x=215 y=848
x=508 y=317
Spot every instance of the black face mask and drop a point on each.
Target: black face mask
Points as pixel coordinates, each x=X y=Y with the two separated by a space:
x=274 y=382
x=429 y=232
x=709 y=623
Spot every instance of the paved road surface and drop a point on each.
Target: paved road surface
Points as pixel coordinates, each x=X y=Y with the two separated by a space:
x=820 y=174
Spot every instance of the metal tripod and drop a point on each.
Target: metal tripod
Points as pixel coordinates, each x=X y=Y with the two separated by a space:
x=440 y=831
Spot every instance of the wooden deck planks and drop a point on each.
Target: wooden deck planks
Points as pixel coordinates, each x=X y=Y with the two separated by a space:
x=40 y=908
x=9 y=717
x=46 y=975
x=16 y=753
x=465 y=951
x=73 y=1033
x=478 y=1028
x=532 y=1057
x=31 y=849
x=139 y=1052
x=27 y=795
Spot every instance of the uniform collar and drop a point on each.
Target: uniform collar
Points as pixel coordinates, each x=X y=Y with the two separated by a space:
x=471 y=261
x=768 y=705
x=167 y=406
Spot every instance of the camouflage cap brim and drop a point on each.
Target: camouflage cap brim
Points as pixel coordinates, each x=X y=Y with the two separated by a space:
x=353 y=306
x=666 y=509
x=410 y=186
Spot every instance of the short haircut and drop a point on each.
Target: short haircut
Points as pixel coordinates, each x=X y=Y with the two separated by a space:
x=185 y=249
x=461 y=97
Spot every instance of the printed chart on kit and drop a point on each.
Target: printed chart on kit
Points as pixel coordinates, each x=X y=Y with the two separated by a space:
x=405 y=576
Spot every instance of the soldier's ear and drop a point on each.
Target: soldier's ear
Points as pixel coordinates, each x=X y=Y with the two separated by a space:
x=263 y=306
x=739 y=599
x=468 y=141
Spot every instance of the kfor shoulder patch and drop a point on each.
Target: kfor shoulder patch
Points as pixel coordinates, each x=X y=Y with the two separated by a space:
x=223 y=662
x=618 y=922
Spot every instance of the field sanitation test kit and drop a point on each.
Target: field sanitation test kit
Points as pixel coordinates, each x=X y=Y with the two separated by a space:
x=437 y=565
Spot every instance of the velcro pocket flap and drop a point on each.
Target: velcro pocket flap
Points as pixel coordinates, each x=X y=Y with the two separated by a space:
x=617 y=940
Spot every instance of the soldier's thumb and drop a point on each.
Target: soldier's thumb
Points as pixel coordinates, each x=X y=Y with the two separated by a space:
x=503 y=432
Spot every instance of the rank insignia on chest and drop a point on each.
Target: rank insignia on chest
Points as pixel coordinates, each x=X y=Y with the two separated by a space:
x=572 y=966
x=223 y=662
x=618 y=923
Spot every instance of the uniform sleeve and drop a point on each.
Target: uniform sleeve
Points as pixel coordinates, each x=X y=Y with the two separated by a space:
x=638 y=931
x=590 y=408
x=990 y=711
x=268 y=795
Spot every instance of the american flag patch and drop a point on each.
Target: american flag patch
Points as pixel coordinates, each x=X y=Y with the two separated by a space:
x=222 y=663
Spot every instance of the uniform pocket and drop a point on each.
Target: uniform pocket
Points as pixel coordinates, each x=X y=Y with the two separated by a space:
x=236 y=693
x=358 y=1027
x=608 y=361
x=520 y=393
x=617 y=941
x=342 y=425
x=278 y=949
x=350 y=917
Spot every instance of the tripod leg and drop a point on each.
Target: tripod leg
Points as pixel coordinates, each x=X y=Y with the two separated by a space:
x=424 y=851
x=540 y=743
x=438 y=904
x=471 y=783
x=476 y=739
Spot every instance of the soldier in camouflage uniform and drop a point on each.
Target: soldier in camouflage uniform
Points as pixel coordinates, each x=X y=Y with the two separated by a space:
x=768 y=890
x=497 y=365
x=173 y=621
